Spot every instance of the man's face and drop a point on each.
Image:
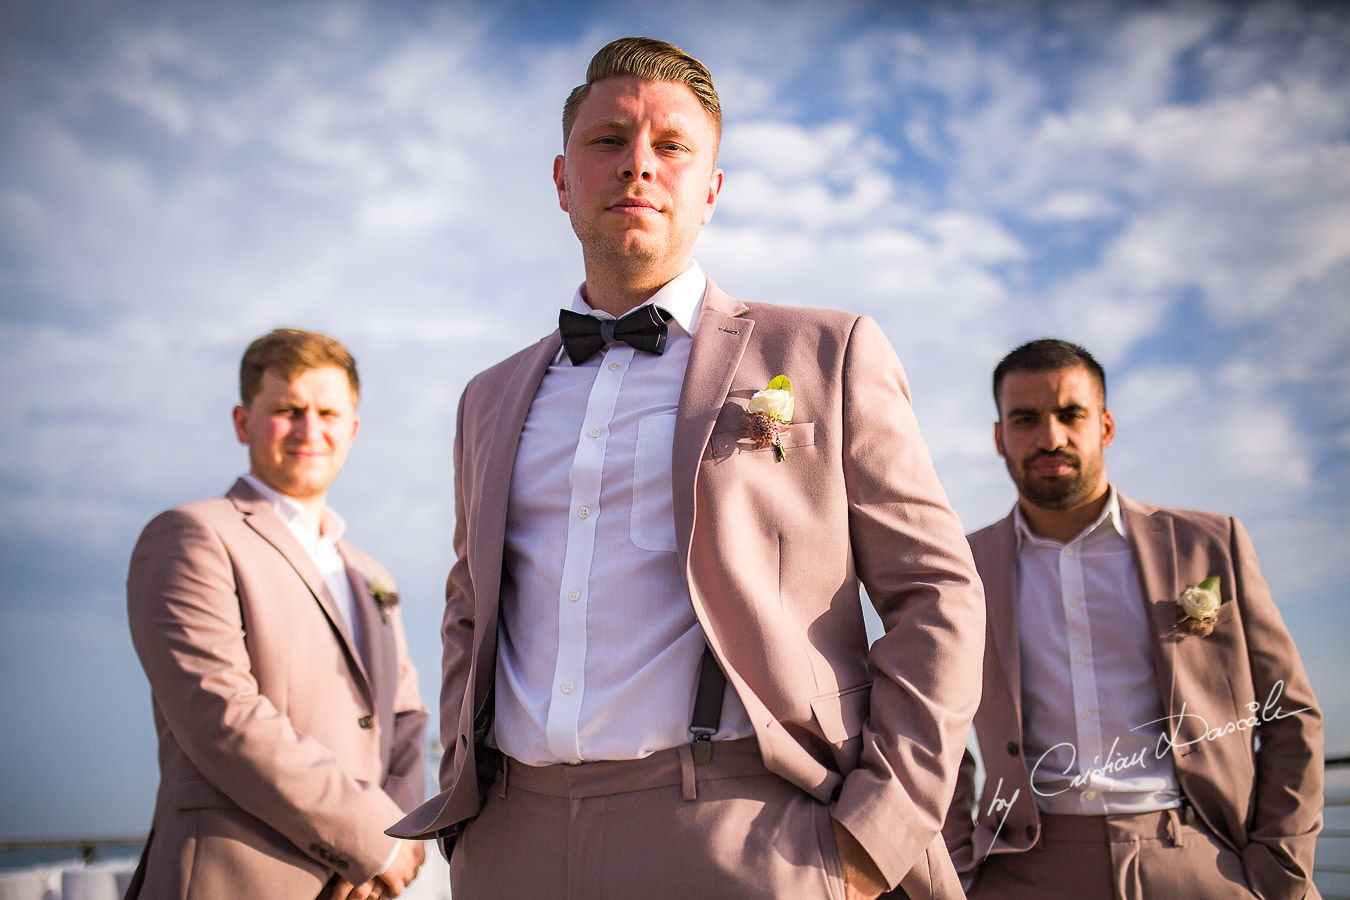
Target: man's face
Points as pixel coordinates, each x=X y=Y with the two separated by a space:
x=637 y=176
x=1051 y=433
x=298 y=432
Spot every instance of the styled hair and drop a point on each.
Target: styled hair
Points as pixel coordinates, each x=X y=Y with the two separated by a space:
x=646 y=59
x=289 y=352
x=1047 y=355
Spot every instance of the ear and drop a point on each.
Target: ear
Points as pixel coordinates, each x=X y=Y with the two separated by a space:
x=240 y=416
x=1108 y=428
x=560 y=180
x=356 y=425
x=714 y=191
x=998 y=439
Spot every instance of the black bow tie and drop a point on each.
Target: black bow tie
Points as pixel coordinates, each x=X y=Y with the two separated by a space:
x=584 y=336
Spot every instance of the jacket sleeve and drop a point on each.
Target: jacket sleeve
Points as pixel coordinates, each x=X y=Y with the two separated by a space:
x=1287 y=807
x=958 y=831
x=912 y=557
x=187 y=626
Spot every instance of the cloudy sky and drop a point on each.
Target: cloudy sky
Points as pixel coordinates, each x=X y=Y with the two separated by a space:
x=1168 y=184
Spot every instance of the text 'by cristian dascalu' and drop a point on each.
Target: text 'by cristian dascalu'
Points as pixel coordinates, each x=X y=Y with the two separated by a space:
x=1170 y=739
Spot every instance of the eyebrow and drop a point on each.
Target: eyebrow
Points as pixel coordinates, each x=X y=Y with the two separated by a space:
x=1036 y=411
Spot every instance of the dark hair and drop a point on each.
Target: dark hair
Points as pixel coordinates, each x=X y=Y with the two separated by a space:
x=646 y=59
x=1046 y=355
x=288 y=352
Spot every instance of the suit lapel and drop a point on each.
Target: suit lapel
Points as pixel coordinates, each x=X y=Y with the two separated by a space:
x=259 y=516
x=516 y=392
x=380 y=664
x=1002 y=606
x=720 y=340
x=1151 y=538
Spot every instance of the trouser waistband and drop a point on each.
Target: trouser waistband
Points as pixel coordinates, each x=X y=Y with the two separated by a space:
x=664 y=768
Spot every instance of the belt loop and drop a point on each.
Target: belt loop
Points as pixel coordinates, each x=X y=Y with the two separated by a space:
x=506 y=769
x=1174 y=828
x=687 y=781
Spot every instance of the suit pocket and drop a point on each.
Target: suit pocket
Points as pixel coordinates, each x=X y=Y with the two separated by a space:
x=652 y=526
x=799 y=434
x=841 y=715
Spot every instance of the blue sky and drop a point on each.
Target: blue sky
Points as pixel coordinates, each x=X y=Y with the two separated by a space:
x=1168 y=184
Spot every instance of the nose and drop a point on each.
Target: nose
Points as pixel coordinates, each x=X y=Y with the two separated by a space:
x=306 y=424
x=637 y=165
x=1053 y=435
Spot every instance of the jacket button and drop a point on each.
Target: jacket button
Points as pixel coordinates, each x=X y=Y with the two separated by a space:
x=366 y=721
x=1012 y=749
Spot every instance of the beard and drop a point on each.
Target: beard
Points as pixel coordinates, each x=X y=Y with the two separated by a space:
x=1057 y=492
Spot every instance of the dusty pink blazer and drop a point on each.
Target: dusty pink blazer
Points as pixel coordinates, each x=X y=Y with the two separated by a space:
x=283 y=756
x=1264 y=803
x=773 y=554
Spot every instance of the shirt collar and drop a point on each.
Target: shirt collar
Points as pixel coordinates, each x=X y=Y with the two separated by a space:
x=682 y=297
x=297 y=517
x=1110 y=514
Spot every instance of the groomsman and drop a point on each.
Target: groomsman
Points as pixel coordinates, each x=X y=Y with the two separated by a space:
x=657 y=679
x=290 y=729
x=1146 y=727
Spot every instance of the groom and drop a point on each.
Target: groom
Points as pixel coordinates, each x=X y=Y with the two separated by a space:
x=656 y=677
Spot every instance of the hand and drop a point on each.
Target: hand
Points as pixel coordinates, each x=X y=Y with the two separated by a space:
x=862 y=879
x=401 y=872
x=389 y=883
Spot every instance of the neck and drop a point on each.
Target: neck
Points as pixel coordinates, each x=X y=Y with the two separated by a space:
x=617 y=291
x=1062 y=525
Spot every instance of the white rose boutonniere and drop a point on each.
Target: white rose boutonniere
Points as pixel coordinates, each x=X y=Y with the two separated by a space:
x=770 y=415
x=385 y=594
x=1200 y=605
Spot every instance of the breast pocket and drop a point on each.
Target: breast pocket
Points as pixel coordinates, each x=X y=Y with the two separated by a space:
x=652 y=526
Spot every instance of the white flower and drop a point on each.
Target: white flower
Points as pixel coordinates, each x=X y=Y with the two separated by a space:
x=774 y=403
x=1200 y=603
x=1200 y=606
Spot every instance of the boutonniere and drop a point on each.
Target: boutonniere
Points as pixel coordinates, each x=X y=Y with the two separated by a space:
x=1200 y=606
x=386 y=596
x=770 y=415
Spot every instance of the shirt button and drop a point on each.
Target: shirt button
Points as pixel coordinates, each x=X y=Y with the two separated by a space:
x=567 y=687
x=1089 y=795
x=1086 y=714
x=1068 y=551
x=614 y=367
x=594 y=432
x=574 y=596
x=584 y=512
x=1076 y=602
x=1080 y=657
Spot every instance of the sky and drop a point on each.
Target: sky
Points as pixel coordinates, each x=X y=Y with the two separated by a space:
x=1167 y=184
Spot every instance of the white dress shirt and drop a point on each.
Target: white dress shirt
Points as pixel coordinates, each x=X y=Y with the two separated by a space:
x=599 y=646
x=319 y=536
x=1091 y=708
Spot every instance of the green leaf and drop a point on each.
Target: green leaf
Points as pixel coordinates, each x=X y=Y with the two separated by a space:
x=780 y=383
x=1210 y=584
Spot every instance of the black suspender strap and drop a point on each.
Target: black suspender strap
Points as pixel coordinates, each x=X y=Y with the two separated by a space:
x=712 y=683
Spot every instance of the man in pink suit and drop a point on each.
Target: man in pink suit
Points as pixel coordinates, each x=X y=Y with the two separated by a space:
x=290 y=729
x=637 y=504
x=1147 y=728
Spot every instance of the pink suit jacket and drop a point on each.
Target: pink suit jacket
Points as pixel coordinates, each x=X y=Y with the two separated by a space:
x=773 y=553
x=283 y=756
x=1266 y=803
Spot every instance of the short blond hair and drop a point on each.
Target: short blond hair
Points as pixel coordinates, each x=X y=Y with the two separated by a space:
x=646 y=59
x=289 y=352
